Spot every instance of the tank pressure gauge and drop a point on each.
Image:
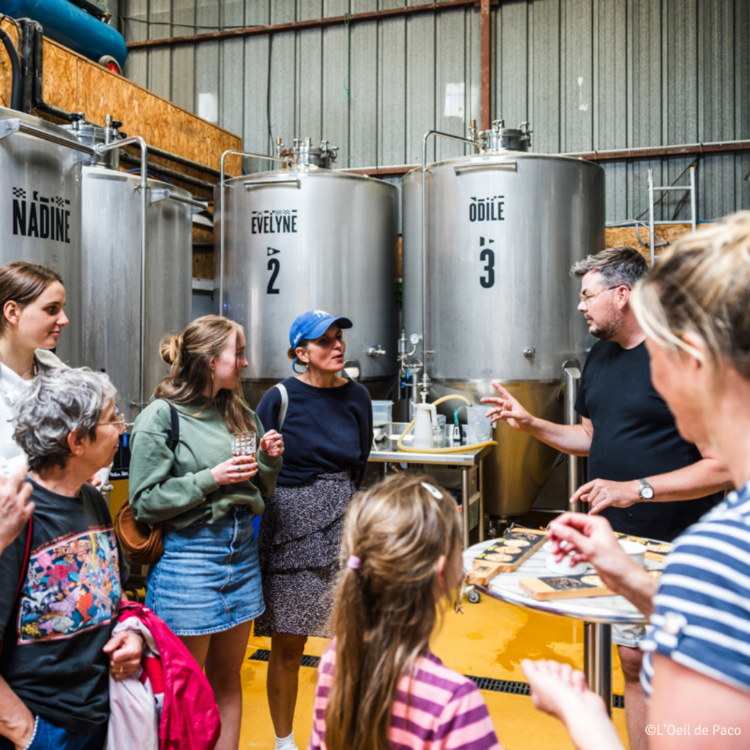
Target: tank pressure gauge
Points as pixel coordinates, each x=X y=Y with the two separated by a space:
x=415 y=338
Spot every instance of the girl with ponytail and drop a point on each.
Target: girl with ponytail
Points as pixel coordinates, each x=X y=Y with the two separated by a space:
x=206 y=586
x=379 y=686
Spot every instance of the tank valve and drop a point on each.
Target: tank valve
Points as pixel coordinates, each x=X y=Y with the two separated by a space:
x=375 y=350
x=529 y=352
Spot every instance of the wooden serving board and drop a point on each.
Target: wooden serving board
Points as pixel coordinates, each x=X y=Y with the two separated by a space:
x=582 y=586
x=512 y=550
x=655 y=550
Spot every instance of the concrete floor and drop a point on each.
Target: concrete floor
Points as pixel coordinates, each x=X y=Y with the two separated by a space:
x=489 y=640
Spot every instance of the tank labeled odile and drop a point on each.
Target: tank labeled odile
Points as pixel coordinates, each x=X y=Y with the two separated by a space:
x=137 y=266
x=502 y=229
x=307 y=237
x=40 y=209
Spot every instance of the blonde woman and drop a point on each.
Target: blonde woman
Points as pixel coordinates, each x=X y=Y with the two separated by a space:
x=32 y=317
x=206 y=586
x=695 y=310
x=379 y=685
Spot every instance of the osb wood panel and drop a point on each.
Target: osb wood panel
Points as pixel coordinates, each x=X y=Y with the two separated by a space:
x=77 y=84
x=626 y=237
x=203 y=257
x=5 y=81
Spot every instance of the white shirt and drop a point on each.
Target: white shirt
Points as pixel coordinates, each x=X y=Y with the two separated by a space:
x=12 y=386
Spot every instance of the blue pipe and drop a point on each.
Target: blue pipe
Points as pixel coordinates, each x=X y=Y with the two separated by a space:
x=71 y=26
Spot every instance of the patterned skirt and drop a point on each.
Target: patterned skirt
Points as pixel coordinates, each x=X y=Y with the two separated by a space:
x=299 y=544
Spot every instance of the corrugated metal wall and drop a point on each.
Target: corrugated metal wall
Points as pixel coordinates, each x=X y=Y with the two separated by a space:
x=587 y=74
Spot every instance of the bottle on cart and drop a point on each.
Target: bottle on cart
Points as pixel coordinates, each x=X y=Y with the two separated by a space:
x=456 y=437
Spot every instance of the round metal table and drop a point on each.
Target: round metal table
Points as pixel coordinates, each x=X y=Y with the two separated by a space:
x=598 y=613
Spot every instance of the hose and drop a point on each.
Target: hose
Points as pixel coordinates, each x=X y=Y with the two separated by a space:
x=456 y=449
x=15 y=68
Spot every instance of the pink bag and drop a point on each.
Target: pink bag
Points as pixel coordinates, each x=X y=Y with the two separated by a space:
x=190 y=717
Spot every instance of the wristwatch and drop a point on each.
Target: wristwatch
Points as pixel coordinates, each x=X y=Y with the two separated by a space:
x=646 y=491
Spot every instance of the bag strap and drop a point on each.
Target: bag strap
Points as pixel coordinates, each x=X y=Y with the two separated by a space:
x=284 y=403
x=173 y=435
x=21 y=578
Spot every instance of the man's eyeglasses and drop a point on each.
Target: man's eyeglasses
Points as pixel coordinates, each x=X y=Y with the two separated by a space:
x=586 y=298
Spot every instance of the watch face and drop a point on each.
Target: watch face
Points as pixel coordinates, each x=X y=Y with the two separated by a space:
x=647 y=493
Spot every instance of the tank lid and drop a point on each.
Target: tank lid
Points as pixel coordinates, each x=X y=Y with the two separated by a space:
x=500 y=138
x=304 y=154
x=91 y=134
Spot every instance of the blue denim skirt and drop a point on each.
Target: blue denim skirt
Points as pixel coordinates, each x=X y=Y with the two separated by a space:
x=208 y=579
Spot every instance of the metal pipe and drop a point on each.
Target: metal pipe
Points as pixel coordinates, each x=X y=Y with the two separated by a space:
x=15 y=71
x=221 y=216
x=685 y=149
x=651 y=214
x=597 y=660
x=136 y=140
x=425 y=138
x=316 y=23
x=571 y=380
x=171 y=173
x=693 y=199
x=184 y=161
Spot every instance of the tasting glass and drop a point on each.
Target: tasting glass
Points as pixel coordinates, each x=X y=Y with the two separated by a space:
x=244 y=444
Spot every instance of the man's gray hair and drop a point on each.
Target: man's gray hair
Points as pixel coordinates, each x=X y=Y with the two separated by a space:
x=56 y=404
x=617 y=265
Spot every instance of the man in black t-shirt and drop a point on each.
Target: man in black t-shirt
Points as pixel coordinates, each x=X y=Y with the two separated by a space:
x=642 y=475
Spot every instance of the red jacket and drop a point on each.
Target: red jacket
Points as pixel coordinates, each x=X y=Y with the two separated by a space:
x=190 y=717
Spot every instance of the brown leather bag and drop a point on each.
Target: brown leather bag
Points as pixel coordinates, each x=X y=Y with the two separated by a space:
x=142 y=543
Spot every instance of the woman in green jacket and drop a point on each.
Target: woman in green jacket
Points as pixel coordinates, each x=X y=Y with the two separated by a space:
x=206 y=586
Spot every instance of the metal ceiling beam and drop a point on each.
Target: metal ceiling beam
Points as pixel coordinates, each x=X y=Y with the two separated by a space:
x=317 y=23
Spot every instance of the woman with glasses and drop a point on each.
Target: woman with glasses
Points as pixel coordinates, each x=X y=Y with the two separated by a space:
x=32 y=316
x=207 y=585
x=60 y=580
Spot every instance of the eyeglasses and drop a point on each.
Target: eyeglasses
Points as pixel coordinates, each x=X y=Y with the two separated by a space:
x=586 y=298
x=118 y=420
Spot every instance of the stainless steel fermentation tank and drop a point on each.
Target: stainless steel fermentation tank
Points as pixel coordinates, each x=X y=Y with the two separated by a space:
x=503 y=228
x=137 y=266
x=40 y=208
x=306 y=237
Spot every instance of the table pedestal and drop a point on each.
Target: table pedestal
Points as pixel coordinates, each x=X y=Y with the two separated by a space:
x=597 y=660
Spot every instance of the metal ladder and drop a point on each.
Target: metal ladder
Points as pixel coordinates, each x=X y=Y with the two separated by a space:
x=652 y=189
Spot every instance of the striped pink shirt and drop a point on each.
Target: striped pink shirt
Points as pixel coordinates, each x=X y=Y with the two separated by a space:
x=446 y=709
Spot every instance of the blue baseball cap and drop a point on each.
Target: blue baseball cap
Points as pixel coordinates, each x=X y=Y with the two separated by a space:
x=312 y=325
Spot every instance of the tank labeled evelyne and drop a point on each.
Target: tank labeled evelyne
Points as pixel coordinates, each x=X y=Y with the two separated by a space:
x=306 y=237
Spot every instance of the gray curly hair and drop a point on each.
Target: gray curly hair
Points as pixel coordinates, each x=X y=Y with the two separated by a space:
x=56 y=404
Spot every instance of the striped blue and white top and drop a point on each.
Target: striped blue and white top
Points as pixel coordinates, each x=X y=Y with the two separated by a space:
x=701 y=613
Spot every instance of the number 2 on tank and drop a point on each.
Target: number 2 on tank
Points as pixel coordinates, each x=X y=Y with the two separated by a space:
x=274 y=266
x=487 y=256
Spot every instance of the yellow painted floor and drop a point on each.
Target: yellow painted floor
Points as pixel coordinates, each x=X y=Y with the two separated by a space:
x=489 y=640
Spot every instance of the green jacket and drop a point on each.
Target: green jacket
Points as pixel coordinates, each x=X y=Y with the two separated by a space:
x=177 y=487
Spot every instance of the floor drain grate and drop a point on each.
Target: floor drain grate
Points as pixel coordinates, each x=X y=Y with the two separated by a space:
x=511 y=687
x=263 y=655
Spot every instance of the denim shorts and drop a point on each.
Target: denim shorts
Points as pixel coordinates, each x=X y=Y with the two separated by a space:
x=208 y=579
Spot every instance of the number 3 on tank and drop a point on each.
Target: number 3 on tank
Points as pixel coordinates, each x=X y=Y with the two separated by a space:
x=487 y=256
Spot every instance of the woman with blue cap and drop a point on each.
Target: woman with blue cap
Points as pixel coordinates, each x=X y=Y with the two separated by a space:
x=327 y=428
